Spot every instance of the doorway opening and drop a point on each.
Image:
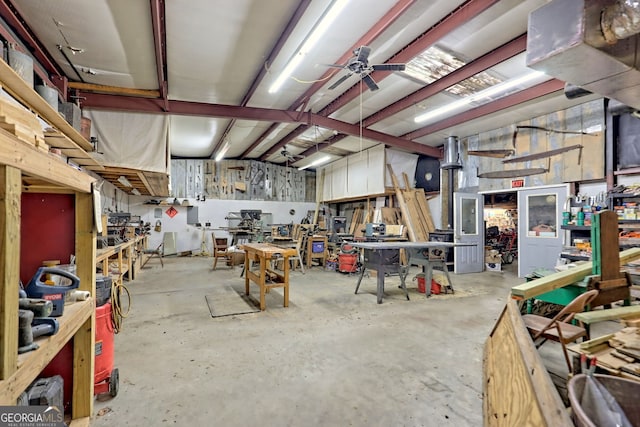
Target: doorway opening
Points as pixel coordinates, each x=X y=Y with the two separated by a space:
x=501 y=231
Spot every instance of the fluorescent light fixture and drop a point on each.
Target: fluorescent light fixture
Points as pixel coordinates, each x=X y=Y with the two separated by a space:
x=136 y=192
x=223 y=151
x=124 y=181
x=318 y=31
x=493 y=90
x=320 y=161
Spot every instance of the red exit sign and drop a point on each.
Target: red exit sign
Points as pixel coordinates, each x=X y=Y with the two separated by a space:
x=517 y=183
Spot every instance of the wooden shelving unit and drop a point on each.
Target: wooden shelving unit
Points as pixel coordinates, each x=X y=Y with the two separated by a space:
x=21 y=167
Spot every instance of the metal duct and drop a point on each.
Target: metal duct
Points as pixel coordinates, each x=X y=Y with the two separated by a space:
x=565 y=41
x=621 y=20
x=451 y=154
x=572 y=91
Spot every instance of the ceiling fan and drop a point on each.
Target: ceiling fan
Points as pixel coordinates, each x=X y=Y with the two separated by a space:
x=359 y=64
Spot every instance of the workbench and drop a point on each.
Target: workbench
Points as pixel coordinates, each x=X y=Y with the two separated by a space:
x=264 y=253
x=384 y=257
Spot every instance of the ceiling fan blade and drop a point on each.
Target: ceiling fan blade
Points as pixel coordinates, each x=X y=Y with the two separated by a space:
x=369 y=81
x=340 y=80
x=388 y=67
x=333 y=65
x=363 y=53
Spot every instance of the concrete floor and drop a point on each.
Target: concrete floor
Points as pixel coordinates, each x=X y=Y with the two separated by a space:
x=331 y=358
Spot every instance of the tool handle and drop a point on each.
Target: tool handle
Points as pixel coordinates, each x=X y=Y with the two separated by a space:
x=75 y=280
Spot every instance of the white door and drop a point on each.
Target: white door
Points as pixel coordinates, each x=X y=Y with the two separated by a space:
x=468 y=227
x=539 y=234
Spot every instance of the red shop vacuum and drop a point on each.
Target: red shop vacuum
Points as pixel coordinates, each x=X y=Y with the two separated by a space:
x=106 y=377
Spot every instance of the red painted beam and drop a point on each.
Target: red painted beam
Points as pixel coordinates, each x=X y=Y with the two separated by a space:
x=491 y=59
x=394 y=13
x=460 y=16
x=498 y=55
x=323 y=144
x=158 y=24
x=457 y=18
x=11 y=15
x=128 y=103
x=295 y=18
x=512 y=100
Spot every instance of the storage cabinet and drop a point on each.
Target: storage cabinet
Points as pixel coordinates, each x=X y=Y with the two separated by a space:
x=26 y=168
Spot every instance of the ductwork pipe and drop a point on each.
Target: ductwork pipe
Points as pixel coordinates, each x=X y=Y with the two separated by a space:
x=620 y=20
x=572 y=91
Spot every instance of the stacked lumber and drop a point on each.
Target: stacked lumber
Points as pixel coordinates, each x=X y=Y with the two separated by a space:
x=617 y=353
x=416 y=215
x=22 y=123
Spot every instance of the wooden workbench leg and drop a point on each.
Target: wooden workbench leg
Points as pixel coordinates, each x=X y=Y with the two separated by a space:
x=263 y=276
x=286 y=281
x=246 y=272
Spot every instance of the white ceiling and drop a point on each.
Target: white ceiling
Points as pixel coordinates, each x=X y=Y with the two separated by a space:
x=215 y=49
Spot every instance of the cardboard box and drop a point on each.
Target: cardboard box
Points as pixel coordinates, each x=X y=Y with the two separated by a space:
x=491 y=266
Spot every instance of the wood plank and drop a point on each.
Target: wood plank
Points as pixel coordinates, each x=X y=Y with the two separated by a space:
x=13 y=152
x=421 y=197
x=19 y=89
x=31 y=364
x=517 y=388
x=586 y=345
x=595 y=316
x=402 y=205
x=83 y=369
x=10 y=192
x=563 y=278
x=81 y=422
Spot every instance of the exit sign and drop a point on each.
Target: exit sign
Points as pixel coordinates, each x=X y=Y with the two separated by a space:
x=517 y=183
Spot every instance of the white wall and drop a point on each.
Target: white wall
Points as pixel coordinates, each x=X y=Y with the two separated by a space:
x=189 y=237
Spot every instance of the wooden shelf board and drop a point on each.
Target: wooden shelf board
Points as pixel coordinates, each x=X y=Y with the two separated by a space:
x=32 y=363
x=15 y=153
x=16 y=86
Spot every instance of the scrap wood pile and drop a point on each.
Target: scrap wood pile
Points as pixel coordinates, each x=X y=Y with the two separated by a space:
x=416 y=215
x=391 y=217
x=618 y=353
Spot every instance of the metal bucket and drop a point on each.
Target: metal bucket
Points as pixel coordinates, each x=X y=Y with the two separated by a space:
x=22 y=64
x=49 y=94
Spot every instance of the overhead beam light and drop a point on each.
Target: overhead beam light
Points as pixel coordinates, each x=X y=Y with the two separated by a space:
x=493 y=90
x=136 y=192
x=124 y=181
x=317 y=162
x=223 y=151
x=318 y=31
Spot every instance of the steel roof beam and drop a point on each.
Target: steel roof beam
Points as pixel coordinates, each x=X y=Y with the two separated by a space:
x=158 y=24
x=508 y=101
x=394 y=13
x=129 y=103
x=295 y=18
x=455 y=19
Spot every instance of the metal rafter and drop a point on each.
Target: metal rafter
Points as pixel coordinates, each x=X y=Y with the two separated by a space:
x=508 y=101
x=128 y=103
x=158 y=24
x=498 y=55
x=394 y=13
x=295 y=18
x=455 y=19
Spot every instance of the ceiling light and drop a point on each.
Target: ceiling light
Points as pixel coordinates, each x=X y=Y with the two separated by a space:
x=223 y=151
x=320 y=161
x=318 y=31
x=136 y=192
x=124 y=181
x=493 y=90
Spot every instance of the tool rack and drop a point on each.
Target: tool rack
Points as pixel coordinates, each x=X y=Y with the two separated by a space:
x=24 y=167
